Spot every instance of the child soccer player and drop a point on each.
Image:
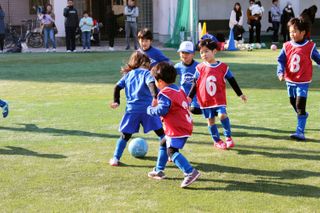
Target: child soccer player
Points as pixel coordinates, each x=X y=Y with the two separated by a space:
x=173 y=107
x=5 y=108
x=86 y=24
x=145 y=39
x=140 y=91
x=295 y=67
x=210 y=87
x=186 y=69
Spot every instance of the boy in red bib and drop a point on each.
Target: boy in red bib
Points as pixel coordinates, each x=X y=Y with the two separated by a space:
x=295 y=67
x=210 y=87
x=173 y=107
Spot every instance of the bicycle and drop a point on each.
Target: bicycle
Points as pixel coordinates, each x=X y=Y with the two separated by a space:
x=32 y=36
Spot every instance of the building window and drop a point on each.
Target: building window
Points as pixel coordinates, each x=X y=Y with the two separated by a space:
x=34 y=5
x=117 y=2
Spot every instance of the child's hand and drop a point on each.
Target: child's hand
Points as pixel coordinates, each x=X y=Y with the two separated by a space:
x=244 y=98
x=114 y=105
x=281 y=77
x=154 y=102
x=189 y=99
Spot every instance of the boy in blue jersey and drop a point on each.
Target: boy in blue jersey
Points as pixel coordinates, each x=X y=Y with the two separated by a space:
x=145 y=39
x=186 y=69
x=295 y=67
x=5 y=108
x=140 y=92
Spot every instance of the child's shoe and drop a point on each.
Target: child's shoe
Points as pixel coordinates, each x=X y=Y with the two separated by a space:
x=229 y=143
x=5 y=109
x=158 y=175
x=114 y=162
x=190 y=178
x=298 y=136
x=220 y=145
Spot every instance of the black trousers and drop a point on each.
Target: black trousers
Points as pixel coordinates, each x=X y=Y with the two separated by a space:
x=275 y=26
x=111 y=35
x=255 y=26
x=71 y=38
x=1 y=41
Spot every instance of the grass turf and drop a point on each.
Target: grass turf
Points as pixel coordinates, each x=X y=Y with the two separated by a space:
x=60 y=134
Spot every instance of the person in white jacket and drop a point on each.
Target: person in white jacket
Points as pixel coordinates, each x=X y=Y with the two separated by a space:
x=236 y=21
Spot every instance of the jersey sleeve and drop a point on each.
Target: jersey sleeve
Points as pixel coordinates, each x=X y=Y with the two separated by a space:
x=228 y=74
x=162 y=108
x=122 y=82
x=282 y=59
x=149 y=78
x=315 y=55
x=196 y=75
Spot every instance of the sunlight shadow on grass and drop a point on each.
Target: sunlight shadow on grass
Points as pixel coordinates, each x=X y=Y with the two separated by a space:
x=12 y=150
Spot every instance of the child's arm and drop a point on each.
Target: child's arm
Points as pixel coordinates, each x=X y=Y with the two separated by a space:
x=162 y=108
x=154 y=92
x=193 y=91
x=235 y=86
x=316 y=56
x=116 y=97
x=281 y=65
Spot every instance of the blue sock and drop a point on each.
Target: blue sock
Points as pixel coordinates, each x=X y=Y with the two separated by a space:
x=162 y=158
x=2 y=103
x=302 y=120
x=182 y=163
x=213 y=130
x=121 y=145
x=226 y=127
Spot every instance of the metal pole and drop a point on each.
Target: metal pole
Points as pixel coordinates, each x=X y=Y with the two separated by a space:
x=191 y=21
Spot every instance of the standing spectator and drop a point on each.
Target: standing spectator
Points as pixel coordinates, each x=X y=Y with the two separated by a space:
x=287 y=14
x=131 y=11
x=276 y=17
x=2 y=29
x=236 y=21
x=308 y=15
x=86 y=24
x=254 y=22
x=111 y=24
x=47 y=19
x=71 y=24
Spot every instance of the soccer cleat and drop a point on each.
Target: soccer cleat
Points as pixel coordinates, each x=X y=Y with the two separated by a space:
x=298 y=136
x=229 y=143
x=220 y=145
x=158 y=175
x=114 y=162
x=5 y=109
x=190 y=178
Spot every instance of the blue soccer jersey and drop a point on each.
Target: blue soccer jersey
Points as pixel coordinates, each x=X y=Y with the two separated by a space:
x=155 y=56
x=186 y=73
x=138 y=95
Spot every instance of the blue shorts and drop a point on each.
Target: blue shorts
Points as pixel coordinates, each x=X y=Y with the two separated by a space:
x=176 y=142
x=213 y=112
x=130 y=123
x=295 y=90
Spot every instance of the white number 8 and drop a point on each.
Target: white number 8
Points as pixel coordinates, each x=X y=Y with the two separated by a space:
x=188 y=116
x=211 y=85
x=294 y=63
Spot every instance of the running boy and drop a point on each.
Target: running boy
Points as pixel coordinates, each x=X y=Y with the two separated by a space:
x=145 y=39
x=210 y=87
x=140 y=91
x=295 y=67
x=186 y=69
x=173 y=107
x=5 y=108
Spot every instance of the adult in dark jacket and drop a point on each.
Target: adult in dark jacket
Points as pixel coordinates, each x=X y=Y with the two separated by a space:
x=308 y=15
x=287 y=14
x=71 y=24
x=2 y=29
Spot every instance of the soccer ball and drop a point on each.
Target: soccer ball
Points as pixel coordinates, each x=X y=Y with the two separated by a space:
x=273 y=47
x=138 y=147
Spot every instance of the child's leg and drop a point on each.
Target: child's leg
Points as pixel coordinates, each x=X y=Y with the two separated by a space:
x=162 y=154
x=195 y=110
x=302 y=114
x=179 y=160
x=225 y=124
x=213 y=130
x=293 y=101
x=121 y=145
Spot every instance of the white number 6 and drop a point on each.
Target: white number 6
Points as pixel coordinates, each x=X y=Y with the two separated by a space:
x=188 y=116
x=211 y=85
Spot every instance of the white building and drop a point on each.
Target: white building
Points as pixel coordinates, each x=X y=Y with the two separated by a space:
x=159 y=15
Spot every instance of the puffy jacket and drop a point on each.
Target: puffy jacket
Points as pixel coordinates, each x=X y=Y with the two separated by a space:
x=2 y=25
x=72 y=19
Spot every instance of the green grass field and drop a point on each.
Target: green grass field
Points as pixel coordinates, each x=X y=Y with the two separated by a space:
x=61 y=132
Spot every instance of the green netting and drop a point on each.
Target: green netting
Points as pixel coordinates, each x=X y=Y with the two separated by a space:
x=183 y=29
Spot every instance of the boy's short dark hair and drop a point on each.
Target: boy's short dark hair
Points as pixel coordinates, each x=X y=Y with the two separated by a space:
x=211 y=45
x=145 y=34
x=164 y=71
x=85 y=12
x=300 y=24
